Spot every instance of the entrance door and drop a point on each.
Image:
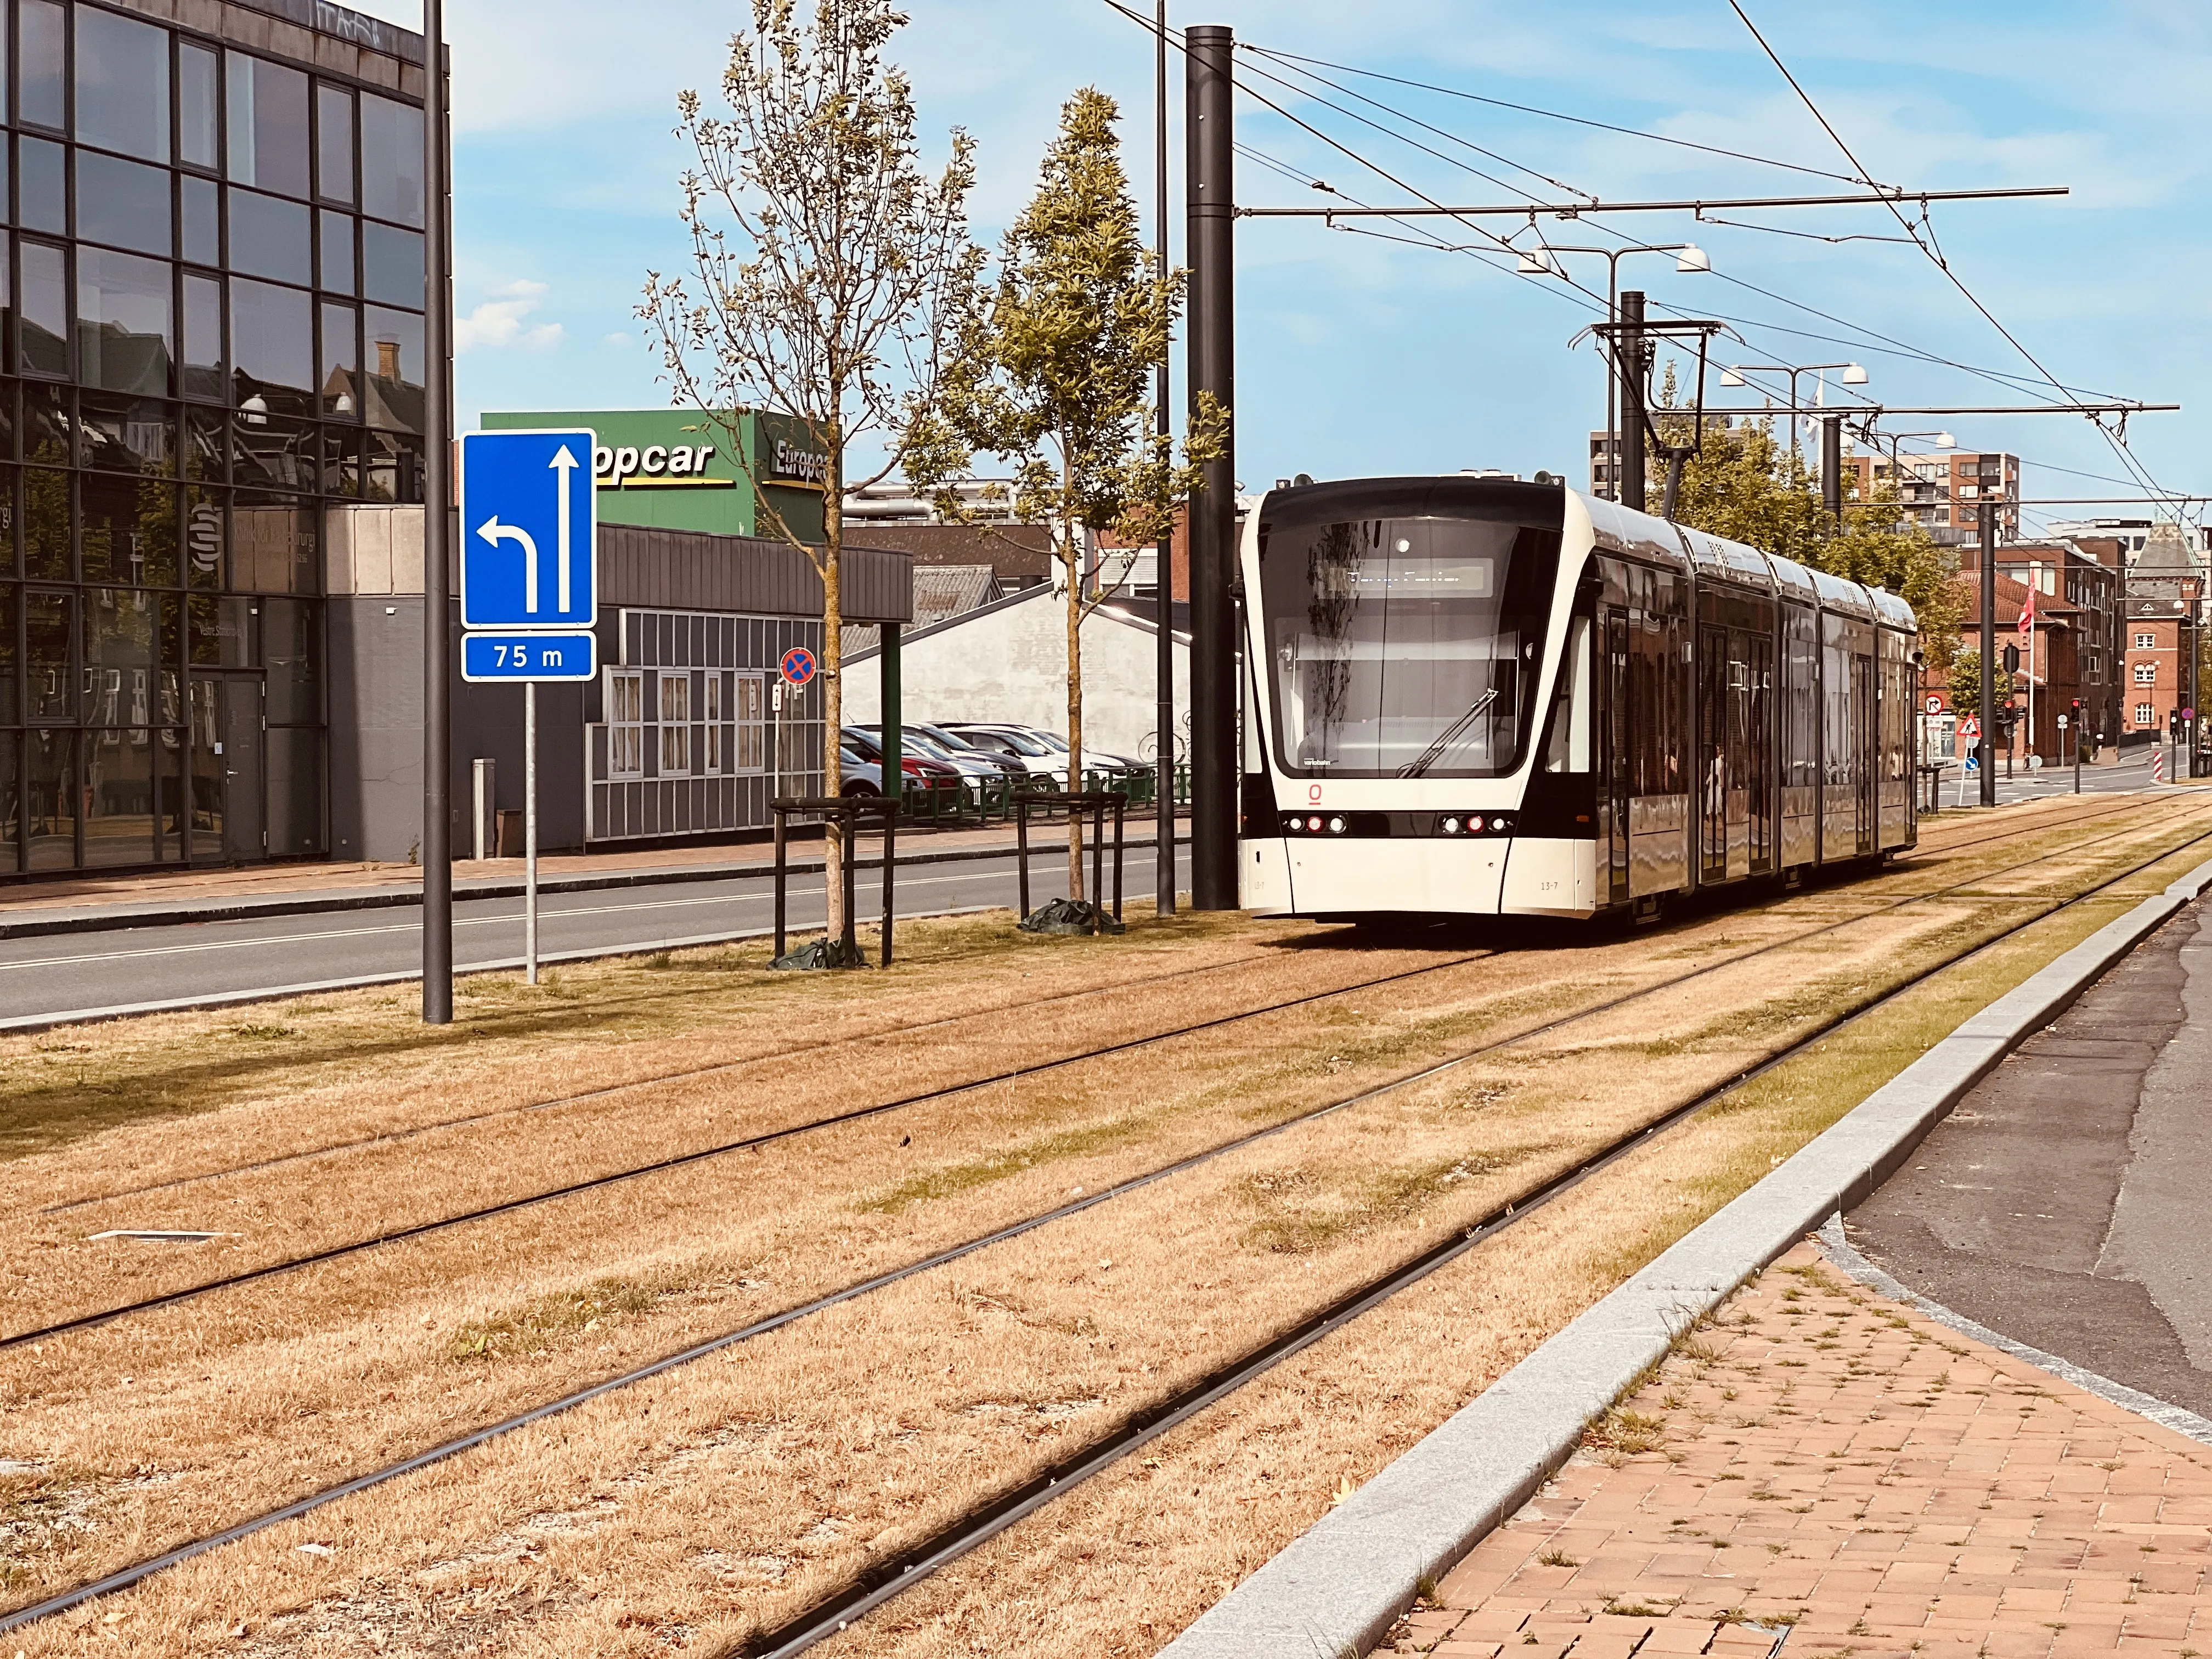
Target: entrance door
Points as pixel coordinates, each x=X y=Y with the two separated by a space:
x=1615 y=727
x=228 y=744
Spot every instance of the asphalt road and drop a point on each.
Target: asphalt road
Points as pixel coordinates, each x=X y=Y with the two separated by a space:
x=2063 y=1203
x=2132 y=774
x=70 y=973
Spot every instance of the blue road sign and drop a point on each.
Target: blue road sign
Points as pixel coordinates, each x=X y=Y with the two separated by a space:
x=796 y=665
x=528 y=549
x=519 y=657
x=1973 y=764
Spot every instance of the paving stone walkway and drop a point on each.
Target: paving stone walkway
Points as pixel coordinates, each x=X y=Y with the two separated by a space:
x=1823 y=1473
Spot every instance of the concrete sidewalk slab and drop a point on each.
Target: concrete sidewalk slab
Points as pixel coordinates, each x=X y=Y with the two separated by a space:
x=1339 y=1588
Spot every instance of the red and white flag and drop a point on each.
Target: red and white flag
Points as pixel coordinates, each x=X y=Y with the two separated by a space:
x=2026 y=629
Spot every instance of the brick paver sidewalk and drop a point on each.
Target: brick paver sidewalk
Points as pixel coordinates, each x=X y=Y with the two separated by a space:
x=1826 y=1473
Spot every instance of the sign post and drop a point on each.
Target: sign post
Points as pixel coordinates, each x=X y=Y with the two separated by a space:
x=530 y=589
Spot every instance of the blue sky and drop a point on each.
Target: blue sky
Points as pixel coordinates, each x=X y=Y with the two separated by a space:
x=1362 y=356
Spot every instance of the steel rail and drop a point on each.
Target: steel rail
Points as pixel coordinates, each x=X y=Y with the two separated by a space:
x=687 y=1073
x=679 y=1160
x=878 y=1584
x=937 y=1550
x=886 y=1580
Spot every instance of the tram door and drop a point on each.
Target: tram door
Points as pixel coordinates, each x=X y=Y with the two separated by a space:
x=1866 y=742
x=1758 y=752
x=1716 y=778
x=1613 y=761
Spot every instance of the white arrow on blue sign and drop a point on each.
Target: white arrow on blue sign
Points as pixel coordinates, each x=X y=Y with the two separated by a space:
x=529 y=550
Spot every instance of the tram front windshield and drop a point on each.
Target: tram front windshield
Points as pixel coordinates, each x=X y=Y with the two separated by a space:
x=1404 y=647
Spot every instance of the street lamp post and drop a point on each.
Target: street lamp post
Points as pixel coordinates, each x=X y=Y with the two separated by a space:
x=1690 y=259
x=1733 y=374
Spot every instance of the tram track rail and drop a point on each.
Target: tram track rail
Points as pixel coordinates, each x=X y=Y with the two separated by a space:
x=792 y=1051
x=882 y=1581
x=245 y=1277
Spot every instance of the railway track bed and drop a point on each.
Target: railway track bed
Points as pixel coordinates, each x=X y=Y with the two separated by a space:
x=735 y=1498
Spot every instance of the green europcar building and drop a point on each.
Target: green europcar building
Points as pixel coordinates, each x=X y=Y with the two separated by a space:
x=678 y=468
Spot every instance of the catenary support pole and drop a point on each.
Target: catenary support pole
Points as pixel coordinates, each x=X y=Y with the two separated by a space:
x=1163 y=805
x=1207 y=51
x=1831 y=469
x=530 y=831
x=1630 y=348
x=1986 y=748
x=437 y=502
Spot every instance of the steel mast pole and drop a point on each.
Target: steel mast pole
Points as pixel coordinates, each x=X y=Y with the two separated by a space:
x=1832 y=467
x=1630 y=370
x=1207 y=51
x=1163 y=805
x=437 y=499
x=1986 y=747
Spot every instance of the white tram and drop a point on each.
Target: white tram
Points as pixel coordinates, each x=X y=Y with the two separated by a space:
x=1477 y=696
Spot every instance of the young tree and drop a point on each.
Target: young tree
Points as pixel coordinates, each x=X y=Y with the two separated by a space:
x=828 y=269
x=1054 y=374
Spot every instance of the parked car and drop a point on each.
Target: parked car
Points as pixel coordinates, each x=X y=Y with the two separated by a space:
x=1038 y=759
x=862 y=777
x=1094 y=760
x=976 y=765
x=920 y=771
x=963 y=749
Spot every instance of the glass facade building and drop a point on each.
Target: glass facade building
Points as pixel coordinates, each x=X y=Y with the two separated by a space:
x=212 y=281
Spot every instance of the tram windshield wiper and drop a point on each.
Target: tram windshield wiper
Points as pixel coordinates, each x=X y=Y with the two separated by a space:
x=1448 y=736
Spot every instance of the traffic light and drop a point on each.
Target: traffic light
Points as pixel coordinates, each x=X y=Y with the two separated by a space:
x=2012 y=659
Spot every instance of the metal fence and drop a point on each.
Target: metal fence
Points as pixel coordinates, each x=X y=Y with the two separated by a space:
x=994 y=802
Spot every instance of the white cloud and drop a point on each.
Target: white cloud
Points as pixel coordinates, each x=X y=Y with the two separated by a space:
x=499 y=323
x=620 y=341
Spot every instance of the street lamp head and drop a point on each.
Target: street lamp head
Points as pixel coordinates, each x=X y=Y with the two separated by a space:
x=1945 y=441
x=1730 y=377
x=1693 y=259
x=1853 y=374
x=1537 y=262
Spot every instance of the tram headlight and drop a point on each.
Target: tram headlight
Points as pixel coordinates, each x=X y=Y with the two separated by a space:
x=1337 y=826
x=1499 y=824
x=1452 y=826
x=1314 y=825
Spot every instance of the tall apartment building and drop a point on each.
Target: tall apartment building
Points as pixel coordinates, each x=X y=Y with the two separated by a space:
x=1943 y=493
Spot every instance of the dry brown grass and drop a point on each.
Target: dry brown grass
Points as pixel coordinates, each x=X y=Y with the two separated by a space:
x=810 y=1452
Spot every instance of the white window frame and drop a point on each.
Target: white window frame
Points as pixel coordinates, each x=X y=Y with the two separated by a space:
x=2145 y=715
x=2146 y=641
x=749 y=710
x=625 y=696
x=717 y=750
x=2146 y=673
x=675 y=733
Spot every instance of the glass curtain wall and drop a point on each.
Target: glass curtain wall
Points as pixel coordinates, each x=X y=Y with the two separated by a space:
x=211 y=276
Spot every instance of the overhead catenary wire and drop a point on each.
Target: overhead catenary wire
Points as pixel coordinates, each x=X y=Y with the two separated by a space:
x=2126 y=456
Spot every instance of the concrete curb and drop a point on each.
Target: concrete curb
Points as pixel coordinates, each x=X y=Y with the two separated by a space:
x=1339 y=1588
x=111 y=918
x=1839 y=1251
x=22 y=1024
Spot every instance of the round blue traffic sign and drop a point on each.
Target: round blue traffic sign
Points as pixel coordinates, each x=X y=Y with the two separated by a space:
x=797 y=665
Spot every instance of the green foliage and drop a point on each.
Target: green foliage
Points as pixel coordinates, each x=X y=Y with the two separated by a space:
x=1053 y=372
x=1964 y=684
x=1744 y=485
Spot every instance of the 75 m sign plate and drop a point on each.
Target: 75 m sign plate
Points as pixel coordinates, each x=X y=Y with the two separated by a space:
x=519 y=657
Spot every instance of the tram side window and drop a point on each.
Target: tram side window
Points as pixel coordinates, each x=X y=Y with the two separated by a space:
x=1800 y=727
x=1569 y=747
x=1842 y=750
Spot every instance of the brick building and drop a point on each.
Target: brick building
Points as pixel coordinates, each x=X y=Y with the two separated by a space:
x=2053 y=671
x=1943 y=493
x=2164 y=595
